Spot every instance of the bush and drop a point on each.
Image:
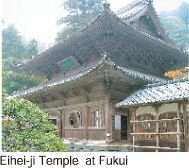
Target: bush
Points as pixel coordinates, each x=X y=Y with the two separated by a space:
x=28 y=129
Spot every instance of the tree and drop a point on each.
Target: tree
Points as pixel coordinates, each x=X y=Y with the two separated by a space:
x=11 y=34
x=11 y=44
x=14 y=51
x=14 y=81
x=180 y=73
x=81 y=12
x=3 y=90
x=28 y=129
x=178 y=31
x=176 y=24
x=64 y=33
x=32 y=48
x=183 y=12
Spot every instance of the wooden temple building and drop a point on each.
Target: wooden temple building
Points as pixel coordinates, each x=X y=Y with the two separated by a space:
x=103 y=64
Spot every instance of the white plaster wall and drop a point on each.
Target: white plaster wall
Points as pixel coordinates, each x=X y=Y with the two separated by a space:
x=117 y=122
x=168 y=107
x=163 y=108
x=146 y=109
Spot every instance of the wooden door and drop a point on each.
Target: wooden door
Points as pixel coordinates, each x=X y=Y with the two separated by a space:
x=124 y=127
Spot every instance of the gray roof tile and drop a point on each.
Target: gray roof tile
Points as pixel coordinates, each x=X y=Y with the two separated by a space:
x=159 y=92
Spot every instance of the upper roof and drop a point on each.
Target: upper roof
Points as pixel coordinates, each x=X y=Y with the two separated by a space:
x=142 y=15
x=128 y=46
x=158 y=92
x=131 y=75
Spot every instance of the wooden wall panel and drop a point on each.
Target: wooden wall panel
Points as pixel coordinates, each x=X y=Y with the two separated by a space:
x=97 y=134
x=117 y=134
x=74 y=133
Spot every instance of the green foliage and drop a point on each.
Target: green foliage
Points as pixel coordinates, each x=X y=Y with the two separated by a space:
x=3 y=94
x=11 y=44
x=176 y=24
x=11 y=34
x=178 y=31
x=81 y=13
x=28 y=129
x=32 y=48
x=184 y=12
x=14 y=51
x=14 y=81
x=64 y=33
x=4 y=74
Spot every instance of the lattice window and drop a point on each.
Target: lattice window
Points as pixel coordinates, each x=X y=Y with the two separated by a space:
x=168 y=126
x=145 y=126
x=97 y=118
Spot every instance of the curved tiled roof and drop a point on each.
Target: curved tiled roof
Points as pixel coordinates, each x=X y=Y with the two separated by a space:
x=106 y=22
x=138 y=8
x=132 y=9
x=159 y=92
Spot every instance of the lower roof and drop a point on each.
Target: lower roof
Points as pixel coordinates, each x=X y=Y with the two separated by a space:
x=158 y=92
x=138 y=76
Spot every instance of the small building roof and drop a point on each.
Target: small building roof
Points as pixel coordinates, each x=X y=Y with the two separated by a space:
x=132 y=74
x=158 y=92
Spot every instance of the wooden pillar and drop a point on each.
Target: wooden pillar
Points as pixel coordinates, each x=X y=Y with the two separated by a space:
x=62 y=119
x=186 y=136
x=112 y=112
x=62 y=123
x=108 y=119
x=157 y=127
x=128 y=125
x=178 y=127
x=134 y=126
x=86 y=113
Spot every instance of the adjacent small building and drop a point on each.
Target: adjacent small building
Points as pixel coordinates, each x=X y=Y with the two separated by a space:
x=160 y=115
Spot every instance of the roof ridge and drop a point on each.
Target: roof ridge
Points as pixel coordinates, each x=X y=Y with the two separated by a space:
x=166 y=82
x=65 y=39
x=131 y=5
x=92 y=22
x=146 y=6
x=148 y=35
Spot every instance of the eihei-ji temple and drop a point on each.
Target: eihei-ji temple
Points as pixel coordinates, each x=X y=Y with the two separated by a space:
x=106 y=82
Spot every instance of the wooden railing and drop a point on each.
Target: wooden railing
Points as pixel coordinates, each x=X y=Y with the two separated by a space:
x=157 y=147
x=156 y=131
